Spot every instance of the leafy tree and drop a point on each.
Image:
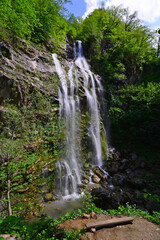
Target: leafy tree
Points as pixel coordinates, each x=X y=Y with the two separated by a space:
x=117 y=43
x=51 y=23
x=136 y=114
x=36 y=20
x=18 y=18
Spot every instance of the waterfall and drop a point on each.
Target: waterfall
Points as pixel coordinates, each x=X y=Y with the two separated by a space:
x=69 y=168
x=90 y=90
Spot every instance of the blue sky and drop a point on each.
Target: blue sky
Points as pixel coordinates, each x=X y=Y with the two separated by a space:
x=78 y=7
x=148 y=10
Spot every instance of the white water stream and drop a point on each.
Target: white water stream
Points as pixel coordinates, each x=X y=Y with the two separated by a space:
x=90 y=90
x=68 y=169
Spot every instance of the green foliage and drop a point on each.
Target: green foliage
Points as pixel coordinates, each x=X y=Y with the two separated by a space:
x=18 y=17
x=35 y=20
x=44 y=229
x=124 y=210
x=117 y=43
x=137 y=107
x=74 y=26
x=49 y=229
x=133 y=211
x=151 y=72
x=31 y=139
x=51 y=23
x=89 y=205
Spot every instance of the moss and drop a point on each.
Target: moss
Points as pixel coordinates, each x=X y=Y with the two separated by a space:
x=103 y=142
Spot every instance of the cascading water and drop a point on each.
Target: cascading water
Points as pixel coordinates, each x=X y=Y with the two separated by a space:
x=90 y=91
x=69 y=173
x=69 y=170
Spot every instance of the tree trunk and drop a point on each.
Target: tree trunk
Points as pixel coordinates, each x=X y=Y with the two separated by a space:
x=109 y=223
x=8 y=198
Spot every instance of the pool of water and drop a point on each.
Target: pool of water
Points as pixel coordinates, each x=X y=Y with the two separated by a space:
x=61 y=207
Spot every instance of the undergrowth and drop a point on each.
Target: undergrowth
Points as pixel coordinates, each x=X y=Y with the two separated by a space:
x=46 y=228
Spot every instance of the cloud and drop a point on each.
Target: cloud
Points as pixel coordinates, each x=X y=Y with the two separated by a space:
x=90 y=6
x=148 y=10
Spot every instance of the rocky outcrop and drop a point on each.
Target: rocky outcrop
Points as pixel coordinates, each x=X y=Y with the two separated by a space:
x=132 y=182
x=24 y=68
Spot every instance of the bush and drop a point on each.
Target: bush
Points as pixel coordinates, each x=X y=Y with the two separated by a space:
x=136 y=111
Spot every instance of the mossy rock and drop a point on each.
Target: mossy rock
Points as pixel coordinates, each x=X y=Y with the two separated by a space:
x=103 y=142
x=48 y=197
x=87 y=166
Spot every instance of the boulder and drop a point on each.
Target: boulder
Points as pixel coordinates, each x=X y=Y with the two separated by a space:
x=136 y=183
x=109 y=198
x=99 y=172
x=95 y=178
x=85 y=181
x=119 y=179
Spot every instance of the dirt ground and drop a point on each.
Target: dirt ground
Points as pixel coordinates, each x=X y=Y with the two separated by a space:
x=140 y=229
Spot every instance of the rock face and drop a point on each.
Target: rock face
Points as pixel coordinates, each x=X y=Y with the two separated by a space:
x=131 y=183
x=24 y=68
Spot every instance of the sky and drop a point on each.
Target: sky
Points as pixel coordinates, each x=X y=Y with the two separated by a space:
x=148 y=10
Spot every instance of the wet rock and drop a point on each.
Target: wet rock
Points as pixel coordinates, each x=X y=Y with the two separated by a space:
x=142 y=165
x=119 y=180
x=95 y=178
x=124 y=161
x=109 y=198
x=131 y=179
x=93 y=185
x=116 y=156
x=86 y=177
x=104 y=184
x=99 y=172
x=69 y=49
x=85 y=181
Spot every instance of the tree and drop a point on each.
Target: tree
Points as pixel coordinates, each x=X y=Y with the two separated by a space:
x=117 y=43
x=18 y=18
x=35 y=20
